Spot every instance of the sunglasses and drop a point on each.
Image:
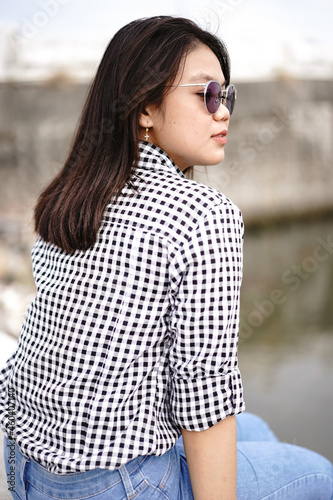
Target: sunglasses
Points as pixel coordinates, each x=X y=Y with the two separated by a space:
x=214 y=95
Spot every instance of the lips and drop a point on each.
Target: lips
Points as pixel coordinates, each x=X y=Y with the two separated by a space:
x=221 y=134
x=221 y=138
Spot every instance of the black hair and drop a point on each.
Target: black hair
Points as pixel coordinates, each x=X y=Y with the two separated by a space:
x=142 y=58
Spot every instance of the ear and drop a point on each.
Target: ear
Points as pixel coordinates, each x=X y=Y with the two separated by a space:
x=146 y=118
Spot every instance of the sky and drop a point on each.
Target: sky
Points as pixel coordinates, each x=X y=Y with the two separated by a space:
x=264 y=37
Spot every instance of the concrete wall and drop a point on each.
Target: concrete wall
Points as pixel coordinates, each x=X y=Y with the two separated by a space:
x=278 y=158
x=280 y=149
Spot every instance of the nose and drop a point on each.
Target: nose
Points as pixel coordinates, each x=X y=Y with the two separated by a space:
x=222 y=113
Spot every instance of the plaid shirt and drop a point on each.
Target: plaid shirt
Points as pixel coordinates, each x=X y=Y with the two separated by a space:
x=134 y=339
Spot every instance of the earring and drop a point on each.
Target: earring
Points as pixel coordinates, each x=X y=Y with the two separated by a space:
x=147 y=135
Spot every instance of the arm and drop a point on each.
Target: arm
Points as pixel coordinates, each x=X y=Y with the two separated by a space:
x=206 y=390
x=212 y=460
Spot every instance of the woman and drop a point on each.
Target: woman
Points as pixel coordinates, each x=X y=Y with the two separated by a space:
x=131 y=341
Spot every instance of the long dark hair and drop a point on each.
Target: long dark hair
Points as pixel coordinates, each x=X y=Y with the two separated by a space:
x=141 y=59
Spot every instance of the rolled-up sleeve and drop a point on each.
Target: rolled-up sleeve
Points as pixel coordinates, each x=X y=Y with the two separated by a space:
x=206 y=384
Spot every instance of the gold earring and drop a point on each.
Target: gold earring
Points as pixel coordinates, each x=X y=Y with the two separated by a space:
x=147 y=135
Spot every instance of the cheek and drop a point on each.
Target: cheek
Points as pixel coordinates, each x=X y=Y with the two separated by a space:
x=178 y=115
x=184 y=123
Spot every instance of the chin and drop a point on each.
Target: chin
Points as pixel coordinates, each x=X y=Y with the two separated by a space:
x=218 y=159
x=209 y=159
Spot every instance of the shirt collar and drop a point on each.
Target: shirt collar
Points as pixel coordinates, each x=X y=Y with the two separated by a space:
x=152 y=157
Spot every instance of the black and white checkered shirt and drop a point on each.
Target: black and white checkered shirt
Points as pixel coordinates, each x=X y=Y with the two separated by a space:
x=135 y=338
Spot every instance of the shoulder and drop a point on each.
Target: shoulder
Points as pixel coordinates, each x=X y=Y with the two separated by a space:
x=187 y=197
x=214 y=212
x=183 y=206
x=160 y=181
x=205 y=198
x=161 y=200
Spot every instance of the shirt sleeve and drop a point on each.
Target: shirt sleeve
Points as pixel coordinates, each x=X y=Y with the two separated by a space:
x=206 y=384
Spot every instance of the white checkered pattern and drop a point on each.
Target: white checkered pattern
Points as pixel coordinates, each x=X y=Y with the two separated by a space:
x=135 y=338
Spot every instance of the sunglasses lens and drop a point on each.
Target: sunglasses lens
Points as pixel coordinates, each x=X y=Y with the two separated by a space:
x=231 y=97
x=213 y=97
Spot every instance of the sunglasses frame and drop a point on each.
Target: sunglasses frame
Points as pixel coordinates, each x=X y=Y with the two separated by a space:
x=224 y=93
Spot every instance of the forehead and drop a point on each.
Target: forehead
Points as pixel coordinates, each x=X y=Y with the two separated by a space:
x=201 y=65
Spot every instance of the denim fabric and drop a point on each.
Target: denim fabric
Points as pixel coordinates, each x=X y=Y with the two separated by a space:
x=145 y=478
x=267 y=470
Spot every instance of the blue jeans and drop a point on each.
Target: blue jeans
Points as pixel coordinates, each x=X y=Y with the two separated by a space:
x=267 y=469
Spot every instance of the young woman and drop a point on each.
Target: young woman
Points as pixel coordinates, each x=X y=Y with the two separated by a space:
x=131 y=341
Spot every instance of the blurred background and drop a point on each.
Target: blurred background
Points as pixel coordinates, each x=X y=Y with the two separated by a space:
x=278 y=170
